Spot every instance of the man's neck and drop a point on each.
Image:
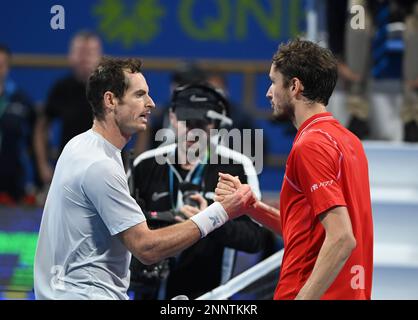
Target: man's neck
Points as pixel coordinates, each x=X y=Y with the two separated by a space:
x=305 y=111
x=110 y=132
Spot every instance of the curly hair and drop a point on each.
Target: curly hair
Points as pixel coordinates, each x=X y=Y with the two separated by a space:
x=314 y=66
x=109 y=76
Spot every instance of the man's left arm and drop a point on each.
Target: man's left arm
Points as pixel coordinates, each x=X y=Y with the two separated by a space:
x=337 y=247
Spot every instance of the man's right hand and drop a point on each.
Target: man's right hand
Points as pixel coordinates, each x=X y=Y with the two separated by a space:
x=237 y=200
x=227 y=185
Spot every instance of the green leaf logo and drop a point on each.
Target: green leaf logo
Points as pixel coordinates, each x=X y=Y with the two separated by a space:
x=118 y=23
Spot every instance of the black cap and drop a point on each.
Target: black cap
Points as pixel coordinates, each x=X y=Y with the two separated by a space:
x=196 y=101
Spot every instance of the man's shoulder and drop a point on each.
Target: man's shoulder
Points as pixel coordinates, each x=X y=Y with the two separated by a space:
x=318 y=136
x=85 y=146
x=322 y=142
x=331 y=134
x=103 y=170
x=79 y=141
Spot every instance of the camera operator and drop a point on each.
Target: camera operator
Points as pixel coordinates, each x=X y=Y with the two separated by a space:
x=180 y=188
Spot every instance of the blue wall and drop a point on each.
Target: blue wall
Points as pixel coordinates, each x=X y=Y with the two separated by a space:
x=236 y=29
x=189 y=29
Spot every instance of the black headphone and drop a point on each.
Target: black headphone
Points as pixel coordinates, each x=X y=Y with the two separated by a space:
x=221 y=119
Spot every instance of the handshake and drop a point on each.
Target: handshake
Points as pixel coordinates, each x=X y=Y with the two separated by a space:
x=236 y=198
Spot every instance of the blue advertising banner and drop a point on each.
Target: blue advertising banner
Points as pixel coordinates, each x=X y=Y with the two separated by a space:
x=232 y=29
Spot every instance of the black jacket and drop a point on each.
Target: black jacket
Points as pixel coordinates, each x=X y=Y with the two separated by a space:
x=204 y=265
x=68 y=103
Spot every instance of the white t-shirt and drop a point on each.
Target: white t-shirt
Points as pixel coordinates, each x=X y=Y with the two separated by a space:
x=79 y=255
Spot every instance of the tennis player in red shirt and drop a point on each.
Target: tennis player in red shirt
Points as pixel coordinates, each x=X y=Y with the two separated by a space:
x=325 y=215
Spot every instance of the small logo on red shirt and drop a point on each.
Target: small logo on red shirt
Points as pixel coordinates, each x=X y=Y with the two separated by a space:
x=321 y=185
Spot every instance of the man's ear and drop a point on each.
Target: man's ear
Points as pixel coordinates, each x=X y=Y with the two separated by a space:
x=296 y=87
x=110 y=101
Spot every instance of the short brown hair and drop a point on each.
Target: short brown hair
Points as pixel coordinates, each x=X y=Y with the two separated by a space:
x=109 y=76
x=314 y=66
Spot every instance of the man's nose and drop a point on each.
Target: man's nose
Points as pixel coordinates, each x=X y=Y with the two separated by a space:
x=151 y=103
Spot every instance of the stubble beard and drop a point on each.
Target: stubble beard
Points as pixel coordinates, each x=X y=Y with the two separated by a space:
x=286 y=112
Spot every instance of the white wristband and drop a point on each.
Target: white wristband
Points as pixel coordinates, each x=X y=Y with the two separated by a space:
x=211 y=218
